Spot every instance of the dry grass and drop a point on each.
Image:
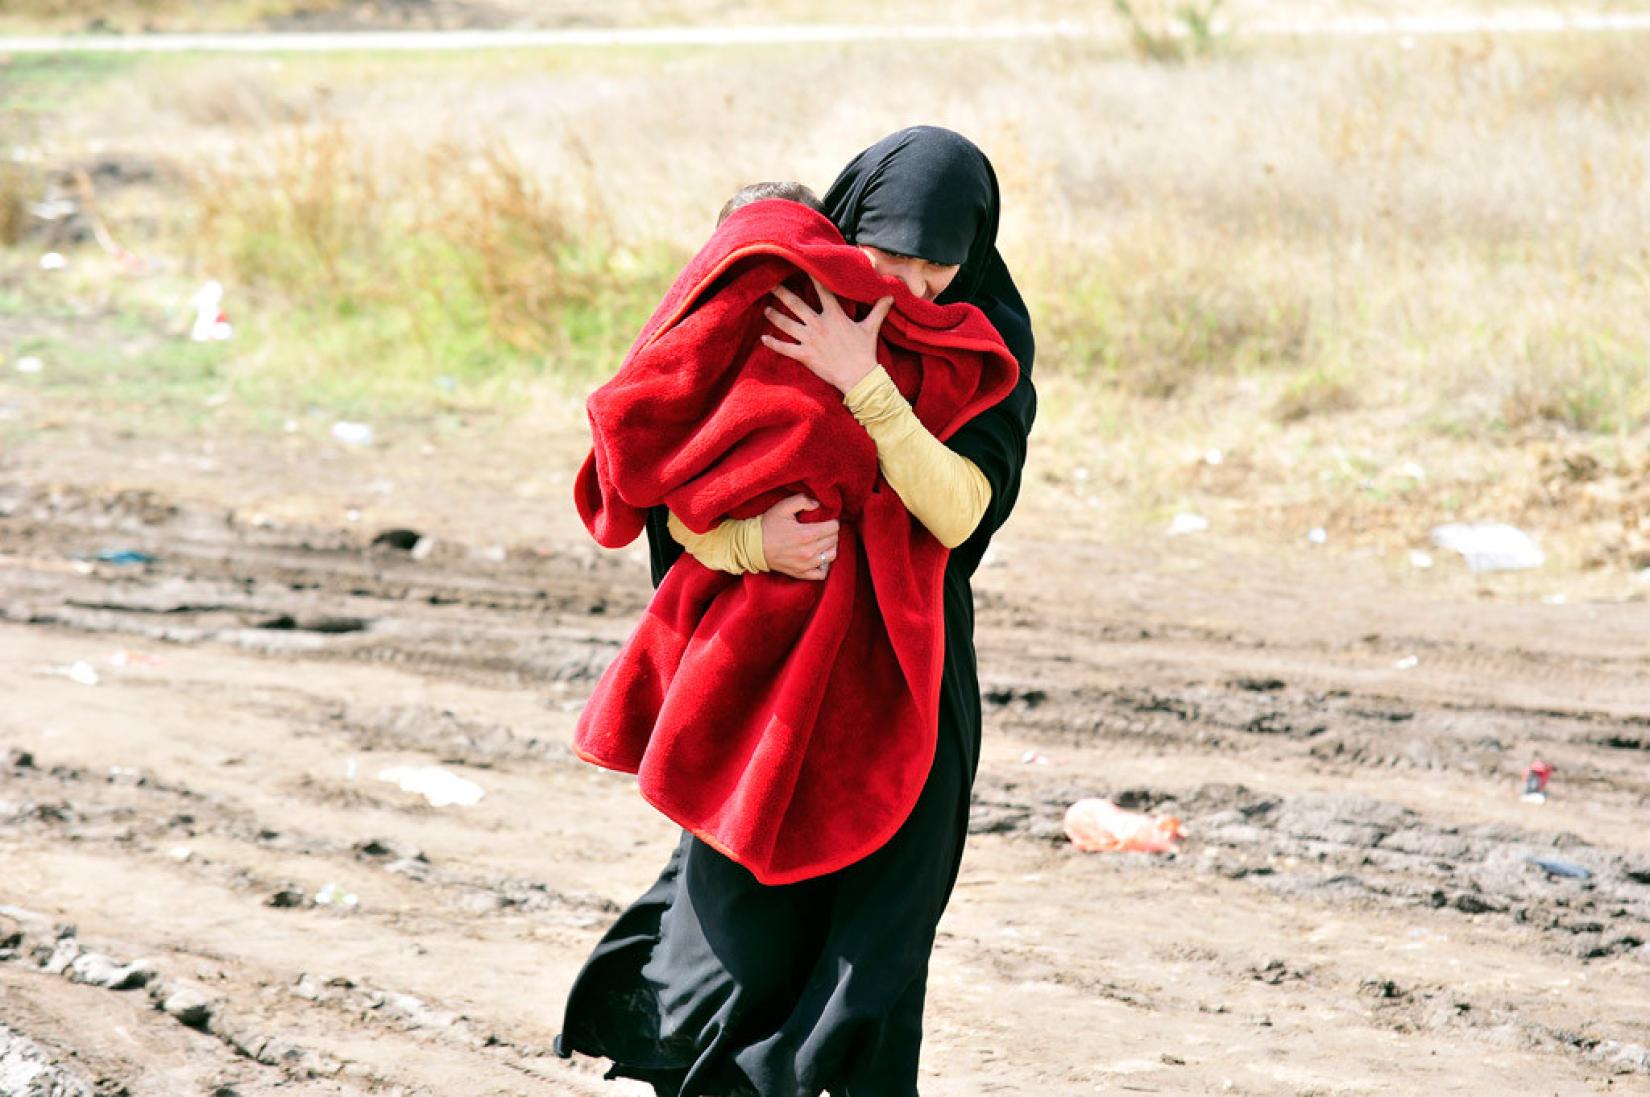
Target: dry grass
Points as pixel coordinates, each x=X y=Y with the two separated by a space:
x=1171 y=32
x=18 y=187
x=1168 y=29
x=392 y=263
x=1332 y=263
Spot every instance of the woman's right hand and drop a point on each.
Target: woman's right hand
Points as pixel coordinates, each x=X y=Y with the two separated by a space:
x=802 y=550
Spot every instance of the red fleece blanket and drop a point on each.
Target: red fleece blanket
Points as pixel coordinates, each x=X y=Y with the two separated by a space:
x=789 y=724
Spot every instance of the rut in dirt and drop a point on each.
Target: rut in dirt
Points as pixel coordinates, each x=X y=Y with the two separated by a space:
x=550 y=619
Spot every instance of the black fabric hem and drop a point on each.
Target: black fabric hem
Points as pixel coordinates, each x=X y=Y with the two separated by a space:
x=667 y=1081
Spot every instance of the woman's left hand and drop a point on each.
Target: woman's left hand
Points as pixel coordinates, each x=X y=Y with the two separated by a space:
x=835 y=347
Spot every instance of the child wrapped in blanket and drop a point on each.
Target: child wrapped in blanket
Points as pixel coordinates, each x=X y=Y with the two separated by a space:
x=942 y=489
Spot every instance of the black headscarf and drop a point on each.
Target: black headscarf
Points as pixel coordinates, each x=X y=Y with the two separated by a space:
x=930 y=193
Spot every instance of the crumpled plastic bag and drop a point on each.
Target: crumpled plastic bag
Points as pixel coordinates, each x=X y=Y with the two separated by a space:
x=1490 y=546
x=1099 y=826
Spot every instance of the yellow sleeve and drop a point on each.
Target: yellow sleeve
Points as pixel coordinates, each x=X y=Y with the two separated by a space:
x=943 y=490
x=734 y=546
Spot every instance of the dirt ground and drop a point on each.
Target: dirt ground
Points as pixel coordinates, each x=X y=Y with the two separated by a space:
x=1354 y=911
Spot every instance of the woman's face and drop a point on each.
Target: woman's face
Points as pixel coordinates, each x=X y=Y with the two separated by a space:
x=924 y=279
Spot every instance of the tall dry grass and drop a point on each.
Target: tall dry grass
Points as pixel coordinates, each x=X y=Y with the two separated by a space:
x=18 y=187
x=385 y=263
x=1332 y=262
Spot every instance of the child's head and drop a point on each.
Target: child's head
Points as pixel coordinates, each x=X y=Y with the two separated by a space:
x=756 y=192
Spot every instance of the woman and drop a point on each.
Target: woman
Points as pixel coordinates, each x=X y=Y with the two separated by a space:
x=711 y=983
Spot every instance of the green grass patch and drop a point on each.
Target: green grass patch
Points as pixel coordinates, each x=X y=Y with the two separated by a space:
x=137 y=380
x=134 y=16
x=32 y=85
x=1584 y=377
x=1156 y=325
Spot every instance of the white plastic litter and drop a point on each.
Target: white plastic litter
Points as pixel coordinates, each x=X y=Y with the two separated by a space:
x=1317 y=535
x=1420 y=559
x=53 y=261
x=1408 y=662
x=441 y=787
x=1186 y=522
x=332 y=893
x=1490 y=546
x=81 y=673
x=352 y=433
x=30 y=364
x=1213 y=457
x=211 y=325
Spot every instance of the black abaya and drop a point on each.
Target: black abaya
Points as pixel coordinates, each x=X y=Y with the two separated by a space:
x=714 y=985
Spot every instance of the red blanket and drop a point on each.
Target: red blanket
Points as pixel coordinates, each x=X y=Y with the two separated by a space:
x=789 y=724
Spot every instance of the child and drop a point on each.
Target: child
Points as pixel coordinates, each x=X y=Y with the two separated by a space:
x=756 y=192
x=736 y=545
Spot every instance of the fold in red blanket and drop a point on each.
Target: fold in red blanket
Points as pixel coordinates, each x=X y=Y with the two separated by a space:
x=788 y=723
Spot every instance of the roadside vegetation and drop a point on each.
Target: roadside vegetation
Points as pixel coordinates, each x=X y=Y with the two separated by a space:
x=1365 y=287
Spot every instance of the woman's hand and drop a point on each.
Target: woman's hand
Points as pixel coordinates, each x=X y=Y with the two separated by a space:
x=802 y=550
x=836 y=348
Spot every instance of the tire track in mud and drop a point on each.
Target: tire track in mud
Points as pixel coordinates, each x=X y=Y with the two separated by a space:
x=551 y=621
x=222 y=1010
x=1335 y=847
x=557 y=617
x=554 y=620
x=310 y=592
x=132 y=812
x=1333 y=729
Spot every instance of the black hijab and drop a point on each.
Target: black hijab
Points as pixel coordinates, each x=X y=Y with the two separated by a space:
x=930 y=193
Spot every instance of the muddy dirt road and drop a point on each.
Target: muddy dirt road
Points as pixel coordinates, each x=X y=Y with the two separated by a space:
x=1355 y=911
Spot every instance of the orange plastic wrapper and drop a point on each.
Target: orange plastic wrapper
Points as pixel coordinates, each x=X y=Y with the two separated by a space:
x=1100 y=826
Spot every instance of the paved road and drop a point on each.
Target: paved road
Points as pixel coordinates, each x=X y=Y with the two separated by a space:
x=378 y=41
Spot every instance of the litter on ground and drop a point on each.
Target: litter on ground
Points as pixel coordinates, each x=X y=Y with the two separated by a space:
x=1186 y=522
x=1490 y=546
x=1097 y=825
x=441 y=787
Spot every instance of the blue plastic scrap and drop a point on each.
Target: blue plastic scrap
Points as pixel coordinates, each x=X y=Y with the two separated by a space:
x=1554 y=867
x=125 y=556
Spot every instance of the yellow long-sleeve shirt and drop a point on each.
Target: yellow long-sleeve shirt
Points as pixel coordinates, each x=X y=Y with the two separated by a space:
x=943 y=490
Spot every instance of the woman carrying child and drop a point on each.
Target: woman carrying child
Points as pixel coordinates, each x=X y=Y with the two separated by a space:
x=714 y=984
